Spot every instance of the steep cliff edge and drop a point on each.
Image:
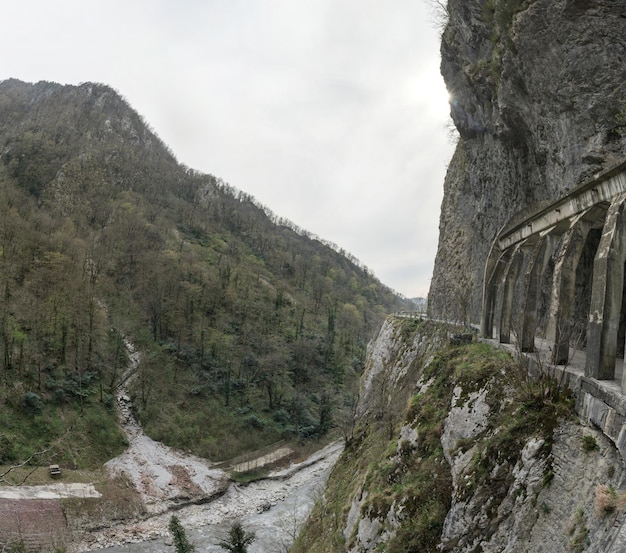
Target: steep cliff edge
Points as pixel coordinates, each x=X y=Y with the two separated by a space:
x=456 y=450
x=538 y=95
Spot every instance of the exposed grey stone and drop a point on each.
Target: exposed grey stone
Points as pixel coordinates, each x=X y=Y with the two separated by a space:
x=534 y=97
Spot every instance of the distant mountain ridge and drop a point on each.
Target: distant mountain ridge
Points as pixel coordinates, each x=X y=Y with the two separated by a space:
x=421 y=304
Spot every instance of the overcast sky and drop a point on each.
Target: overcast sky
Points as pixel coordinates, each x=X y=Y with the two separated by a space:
x=330 y=112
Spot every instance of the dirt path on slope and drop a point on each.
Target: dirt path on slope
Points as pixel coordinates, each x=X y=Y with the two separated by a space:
x=163 y=476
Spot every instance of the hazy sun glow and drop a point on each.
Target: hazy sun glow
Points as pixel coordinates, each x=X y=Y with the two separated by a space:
x=428 y=91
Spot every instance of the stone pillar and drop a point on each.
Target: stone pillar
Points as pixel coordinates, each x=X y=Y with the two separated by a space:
x=606 y=294
x=508 y=293
x=532 y=288
x=563 y=289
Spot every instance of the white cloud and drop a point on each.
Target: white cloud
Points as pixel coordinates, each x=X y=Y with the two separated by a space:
x=331 y=112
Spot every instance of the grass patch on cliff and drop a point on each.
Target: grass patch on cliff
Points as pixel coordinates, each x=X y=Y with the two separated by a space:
x=409 y=326
x=500 y=14
x=532 y=408
x=419 y=474
x=477 y=364
x=414 y=478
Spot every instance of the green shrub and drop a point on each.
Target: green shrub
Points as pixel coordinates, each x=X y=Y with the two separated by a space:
x=32 y=403
x=238 y=539
x=17 y=547
x=181 y=543
x=589 y=443
x=547 y=479
x=579 y=532
x=255 y=422
x=281 y=417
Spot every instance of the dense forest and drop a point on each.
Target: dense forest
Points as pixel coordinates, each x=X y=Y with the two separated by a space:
x=247 y=325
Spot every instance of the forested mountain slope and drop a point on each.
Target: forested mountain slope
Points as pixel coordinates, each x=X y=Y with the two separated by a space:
x=248 y=326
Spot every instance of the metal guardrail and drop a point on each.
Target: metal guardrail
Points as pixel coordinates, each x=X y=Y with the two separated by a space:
x=254 y=459
x=410 y=314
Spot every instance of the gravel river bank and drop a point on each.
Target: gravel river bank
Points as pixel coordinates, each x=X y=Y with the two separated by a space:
x=274 y=509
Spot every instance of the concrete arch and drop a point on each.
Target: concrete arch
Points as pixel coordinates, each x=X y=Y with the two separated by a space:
x=495 y=264
x=510 y=276
x=563 y=287
x=490 y=290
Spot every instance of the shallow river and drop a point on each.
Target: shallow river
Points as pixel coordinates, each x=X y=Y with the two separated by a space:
x=274 y=509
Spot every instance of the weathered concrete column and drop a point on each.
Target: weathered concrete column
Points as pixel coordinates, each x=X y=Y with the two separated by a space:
x=532 y=287
x=510 y=280
x=563 y=288
x=606 y=294
x=493 y=274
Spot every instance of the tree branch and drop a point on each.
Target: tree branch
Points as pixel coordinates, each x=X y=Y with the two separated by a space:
x=20 y=465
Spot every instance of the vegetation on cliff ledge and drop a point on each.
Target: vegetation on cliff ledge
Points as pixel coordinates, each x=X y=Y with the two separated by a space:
x=402 y=486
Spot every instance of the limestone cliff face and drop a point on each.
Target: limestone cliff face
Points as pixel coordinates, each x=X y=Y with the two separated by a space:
x=455 y=451
x=539 y=502
x=538 y=95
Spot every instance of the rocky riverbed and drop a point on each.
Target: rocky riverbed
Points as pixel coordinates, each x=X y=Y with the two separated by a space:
x=205 y=500
x=273 y=508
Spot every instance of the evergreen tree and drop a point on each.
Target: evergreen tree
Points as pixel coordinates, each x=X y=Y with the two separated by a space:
x=238 y=539
x=181 y=543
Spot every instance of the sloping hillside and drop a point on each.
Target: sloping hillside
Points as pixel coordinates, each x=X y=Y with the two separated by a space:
x=250 y=328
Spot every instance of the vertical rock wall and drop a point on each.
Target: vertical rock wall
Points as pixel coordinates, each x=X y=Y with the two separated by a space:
x=538 y=95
